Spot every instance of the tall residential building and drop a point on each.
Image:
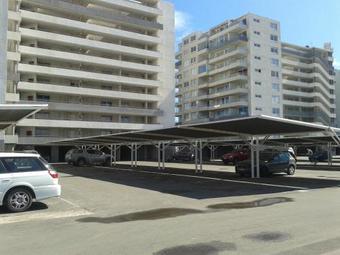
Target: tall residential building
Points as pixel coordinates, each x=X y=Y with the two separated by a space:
x=337 y=90
x=102 y=66
x=241 y=68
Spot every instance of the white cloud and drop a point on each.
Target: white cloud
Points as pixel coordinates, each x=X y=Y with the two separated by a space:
x=336 y=64
x=183 y=24
x=182 y=20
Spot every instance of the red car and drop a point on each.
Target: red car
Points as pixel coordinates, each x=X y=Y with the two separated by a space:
x=235 y=156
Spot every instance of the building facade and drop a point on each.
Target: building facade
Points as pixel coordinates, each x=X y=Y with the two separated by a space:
x=103 y=66
x=337 y=90
x=242 y=68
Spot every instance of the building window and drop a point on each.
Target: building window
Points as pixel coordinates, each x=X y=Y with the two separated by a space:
x=258 y=96
x=258 y=83
x=258 y=70
x=193 y=38
x=186 y=84
x=275 y=99
x=274 y=38
x=275 y=74
x=258 y=109
x=274 y=50
x=125 y=119
x=43 y=98
x=106 y=103
x=276 y=87
x=273 y=26
x=257 y=57
x=106 y=87
x=193 y=49
x=193 y=60
x=202 y=46
x=186 y=41
x=256 y=20
x=105 y=118
x=275 y=62
x=202 y=69
x=257 y=32
x=42 y=132
x=257 y=45
x=276 y=111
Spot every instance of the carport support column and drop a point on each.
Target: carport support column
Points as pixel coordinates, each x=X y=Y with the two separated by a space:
x=257 y=159
x=196 y=154
x=163 y=155
x=329 y=150
x=212 y=152
x=136 y=154
x=132 y=148
x=201 y=156
x=111 y=153
x=252 y=168
x=159 y=154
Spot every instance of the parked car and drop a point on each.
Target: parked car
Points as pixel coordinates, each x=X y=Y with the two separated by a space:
x=80 y=157
x=270 y=162
x=319 y=156
x=25 y=177
x=235 y=156
x=184 y=155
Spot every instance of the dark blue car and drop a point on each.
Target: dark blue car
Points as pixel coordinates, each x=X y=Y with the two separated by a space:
x=270 y=162
x=319 y=156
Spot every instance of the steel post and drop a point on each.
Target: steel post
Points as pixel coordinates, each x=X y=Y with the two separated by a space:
x=196 y=167
x=132 y=154
x=252 y=158
x=329 y=149
x=163 y=156
x=257 y=149
x=201 y=156
x=111 y=154
x=159 y=155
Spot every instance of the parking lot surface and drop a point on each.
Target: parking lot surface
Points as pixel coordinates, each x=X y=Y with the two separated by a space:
x=140 y=211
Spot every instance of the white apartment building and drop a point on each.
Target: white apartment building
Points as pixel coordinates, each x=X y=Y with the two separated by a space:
x=337 y=90
x=241 y=68
x=103 y=66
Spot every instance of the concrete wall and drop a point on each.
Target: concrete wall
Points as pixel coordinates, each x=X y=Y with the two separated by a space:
x=167 y=62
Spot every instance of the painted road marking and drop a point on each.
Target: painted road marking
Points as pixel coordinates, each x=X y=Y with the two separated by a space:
x=43 y=216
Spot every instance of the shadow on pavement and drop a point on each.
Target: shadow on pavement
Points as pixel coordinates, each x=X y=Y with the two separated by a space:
x=209 y=184
x=36 y=206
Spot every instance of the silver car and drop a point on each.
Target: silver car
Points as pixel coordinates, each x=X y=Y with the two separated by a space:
x=25 y=177
x=80 y=157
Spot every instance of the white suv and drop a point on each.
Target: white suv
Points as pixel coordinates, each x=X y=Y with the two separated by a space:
x=25 y=177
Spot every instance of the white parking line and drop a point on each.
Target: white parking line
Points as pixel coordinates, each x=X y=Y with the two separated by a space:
x=210 y=178
x=69 y=202
x=42 y=216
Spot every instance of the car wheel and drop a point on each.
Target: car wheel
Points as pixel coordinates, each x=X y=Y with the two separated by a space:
x=291 y=170
x=81 y=162
x=18 y=200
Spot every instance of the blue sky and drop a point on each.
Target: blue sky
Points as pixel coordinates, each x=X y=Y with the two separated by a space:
x=303 y=22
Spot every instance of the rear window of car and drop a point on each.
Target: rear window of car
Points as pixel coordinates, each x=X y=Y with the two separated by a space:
x=2 y=168
x=23 y=164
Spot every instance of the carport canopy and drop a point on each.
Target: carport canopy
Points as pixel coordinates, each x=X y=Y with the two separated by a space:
x=244 y=128
x=10 y=114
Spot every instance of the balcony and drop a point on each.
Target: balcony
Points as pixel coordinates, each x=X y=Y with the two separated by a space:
x=84 y=75
x=228 y=42
x=82 y=124
x=77 y=91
